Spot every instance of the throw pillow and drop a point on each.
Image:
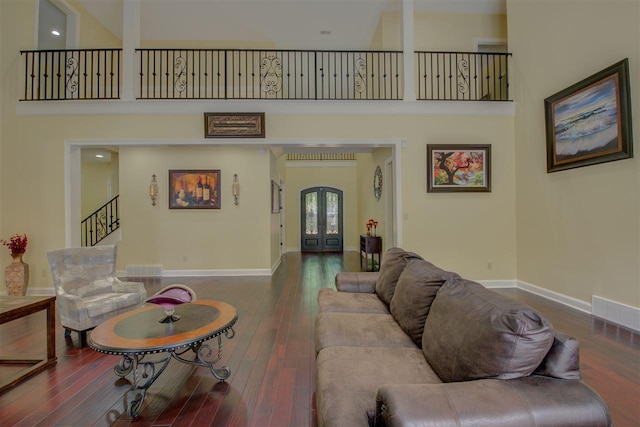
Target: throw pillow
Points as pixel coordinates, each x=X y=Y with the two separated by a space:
x=393 y=262
x=473 y=333
x=417 y=287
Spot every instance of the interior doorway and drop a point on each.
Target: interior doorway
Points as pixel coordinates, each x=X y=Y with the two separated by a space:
x=321 y=220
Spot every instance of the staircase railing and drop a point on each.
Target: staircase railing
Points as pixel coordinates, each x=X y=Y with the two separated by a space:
x=104 y=221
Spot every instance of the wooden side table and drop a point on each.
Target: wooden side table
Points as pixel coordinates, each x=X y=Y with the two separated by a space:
x=13 y=308
x=370 y=245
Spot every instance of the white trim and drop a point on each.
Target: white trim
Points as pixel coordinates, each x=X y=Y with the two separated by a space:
x=389 y=204
x=72 y=40
x=498 y=284
x=275 y=266
x=555 y=296
x=489 y=41
x=211 y=273
x=387 y=108
x=408 y=50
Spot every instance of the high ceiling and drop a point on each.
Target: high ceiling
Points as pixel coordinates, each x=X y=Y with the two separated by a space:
x=287 y=24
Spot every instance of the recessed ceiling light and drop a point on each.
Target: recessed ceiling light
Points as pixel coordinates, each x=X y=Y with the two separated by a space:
x=99 y=156
x=55 y=32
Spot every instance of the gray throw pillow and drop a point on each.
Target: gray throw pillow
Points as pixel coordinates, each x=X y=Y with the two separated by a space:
x=393 y=262
x=417 y=287
x=474 y=333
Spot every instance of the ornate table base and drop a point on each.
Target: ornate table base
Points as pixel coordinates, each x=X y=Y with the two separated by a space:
x=147 y=345
x=145 y=372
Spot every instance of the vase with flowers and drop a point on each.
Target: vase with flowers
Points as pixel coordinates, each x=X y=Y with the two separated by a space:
x=17 y=273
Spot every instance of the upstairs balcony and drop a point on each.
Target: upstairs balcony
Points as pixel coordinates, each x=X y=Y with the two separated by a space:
x=246 y=74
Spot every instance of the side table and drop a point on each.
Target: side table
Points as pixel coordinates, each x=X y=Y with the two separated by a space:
x=13 y=308
x=370 y=245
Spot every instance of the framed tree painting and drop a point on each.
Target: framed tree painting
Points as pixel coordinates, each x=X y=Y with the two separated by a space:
x=590 y=122
x=194 y=189
x=458 y=168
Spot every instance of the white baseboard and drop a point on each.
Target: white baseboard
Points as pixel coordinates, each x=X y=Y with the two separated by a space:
x=555 y=296
x=612 y=311
x=275 y=266
x=498 y=283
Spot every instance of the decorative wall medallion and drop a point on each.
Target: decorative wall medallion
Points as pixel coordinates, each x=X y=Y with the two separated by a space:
x=377 y=183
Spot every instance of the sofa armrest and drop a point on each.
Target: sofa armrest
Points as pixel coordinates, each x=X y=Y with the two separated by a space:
x=357 y=282
x=530 y=401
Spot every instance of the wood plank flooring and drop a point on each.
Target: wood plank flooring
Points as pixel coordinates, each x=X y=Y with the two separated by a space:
x=271 y=358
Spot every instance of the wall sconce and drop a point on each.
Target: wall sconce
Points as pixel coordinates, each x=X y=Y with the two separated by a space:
x=235 y=190
x=153 y=190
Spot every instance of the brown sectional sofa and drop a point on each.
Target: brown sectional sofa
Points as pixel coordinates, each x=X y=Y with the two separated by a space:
x=414 y=345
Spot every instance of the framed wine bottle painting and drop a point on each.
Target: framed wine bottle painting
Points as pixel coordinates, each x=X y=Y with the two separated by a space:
x=194 y=189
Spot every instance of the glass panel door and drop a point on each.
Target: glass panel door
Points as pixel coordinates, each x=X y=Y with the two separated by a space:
x=321 y=219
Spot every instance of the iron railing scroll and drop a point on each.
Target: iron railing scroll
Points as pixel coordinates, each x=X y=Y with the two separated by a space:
x=75 y=74
x=165 y=74
x=104 y=221
x=462 y=76
x=269 y=74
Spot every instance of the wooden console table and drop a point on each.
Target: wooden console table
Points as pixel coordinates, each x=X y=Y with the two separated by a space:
x=12 y=308
x=370 y=245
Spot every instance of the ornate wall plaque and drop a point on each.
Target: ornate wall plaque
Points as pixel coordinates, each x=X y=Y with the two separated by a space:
x=234 y=125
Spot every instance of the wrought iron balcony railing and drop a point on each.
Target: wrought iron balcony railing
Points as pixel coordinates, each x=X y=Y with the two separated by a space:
x=71 y=74
x=269 y=74
x=462 y=76
x=166 y=74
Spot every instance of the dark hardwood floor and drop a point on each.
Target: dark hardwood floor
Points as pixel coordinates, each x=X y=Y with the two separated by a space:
x=271 y=358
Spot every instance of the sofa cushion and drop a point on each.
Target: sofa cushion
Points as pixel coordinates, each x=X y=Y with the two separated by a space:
x=348 y=379
x=347 y=302
x=473 y=333
x=359 y=330
x=393 y=262
x=562 y=361
x=417 y=287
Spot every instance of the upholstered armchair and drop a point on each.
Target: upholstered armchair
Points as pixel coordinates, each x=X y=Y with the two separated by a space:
x=87 y=289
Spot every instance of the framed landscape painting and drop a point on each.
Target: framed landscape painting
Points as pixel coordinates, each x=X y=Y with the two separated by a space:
x=194 y=189
x=590 y=122
x=458 y=168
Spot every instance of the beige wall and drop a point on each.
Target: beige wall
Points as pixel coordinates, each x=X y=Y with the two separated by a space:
x=368 y=206
x=456 y=31
x=574 y=232
x=230 y=238
x=94 y=35
x=99 y=184
x=440 y=31
x=578 y=230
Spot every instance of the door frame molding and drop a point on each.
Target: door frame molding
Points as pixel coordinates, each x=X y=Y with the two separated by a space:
x=72 y=166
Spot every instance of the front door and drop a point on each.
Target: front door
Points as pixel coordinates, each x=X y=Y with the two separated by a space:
x=321 y=219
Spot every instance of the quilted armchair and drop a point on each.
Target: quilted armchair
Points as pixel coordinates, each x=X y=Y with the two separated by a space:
x=87 y=289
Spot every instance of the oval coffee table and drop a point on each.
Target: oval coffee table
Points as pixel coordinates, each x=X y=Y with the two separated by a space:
x=139 y=334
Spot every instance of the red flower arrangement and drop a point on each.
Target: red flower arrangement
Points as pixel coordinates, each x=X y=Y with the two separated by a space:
x=17 y=243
